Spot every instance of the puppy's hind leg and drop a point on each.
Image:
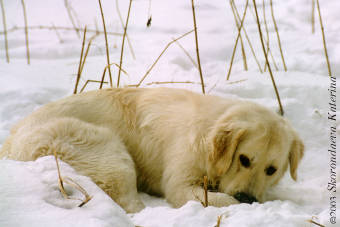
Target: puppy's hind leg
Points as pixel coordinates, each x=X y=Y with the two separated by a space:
x=91 y=150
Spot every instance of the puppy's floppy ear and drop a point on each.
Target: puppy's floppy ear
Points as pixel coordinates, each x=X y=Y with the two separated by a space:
x=225 y=142
x=295 y=155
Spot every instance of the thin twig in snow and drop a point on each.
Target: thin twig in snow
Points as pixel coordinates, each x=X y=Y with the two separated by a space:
x=123 y=41
x=163 y=51
x=26 y=32
x=106 y=42
x=197 y=49
x=238 y=37
x=80 y=63
x=5 y=29
x=67 y=6
x=266 y=57
x=324 y=39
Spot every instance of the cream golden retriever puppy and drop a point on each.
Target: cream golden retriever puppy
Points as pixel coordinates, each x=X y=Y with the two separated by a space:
x=162 y=141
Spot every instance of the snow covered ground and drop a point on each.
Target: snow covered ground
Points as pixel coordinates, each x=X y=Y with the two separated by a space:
x=29 y=193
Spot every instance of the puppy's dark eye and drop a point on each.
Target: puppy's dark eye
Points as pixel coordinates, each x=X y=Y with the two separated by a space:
x=244 y=160
x=270 y=170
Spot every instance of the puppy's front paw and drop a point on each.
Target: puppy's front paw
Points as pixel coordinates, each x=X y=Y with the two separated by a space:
x=218 y=199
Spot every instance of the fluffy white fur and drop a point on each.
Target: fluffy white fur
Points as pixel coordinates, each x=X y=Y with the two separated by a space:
x=162 y=141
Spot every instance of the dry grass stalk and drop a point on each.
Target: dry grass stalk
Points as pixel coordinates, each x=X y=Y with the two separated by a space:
x=26 y=32
x=247 y=37
x=197 y=49
x=42 y=27
x=266 y=57
x=163 y=51
x=90 y=81
x=324 y=39
x=127 y=36
x=80 y=62
x=169 y=82
x=241 y=39
x=104 y=72
x=219 y=218
x=5 y=29
x=68 y=8
x=70 y=182
x=106 y=42
x=313 y=16
x=148 y=23
x=87 y=52
x=205 y=187
x=186 y=52
x=315 y=223
x=278 y=35
x=123 y=41
x=238 y=37
x=57 y=33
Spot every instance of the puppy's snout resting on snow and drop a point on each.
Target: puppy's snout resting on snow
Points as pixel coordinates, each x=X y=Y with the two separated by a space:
x=162 y=141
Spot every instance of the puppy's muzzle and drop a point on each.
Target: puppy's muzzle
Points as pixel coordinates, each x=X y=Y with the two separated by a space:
x=245 y=198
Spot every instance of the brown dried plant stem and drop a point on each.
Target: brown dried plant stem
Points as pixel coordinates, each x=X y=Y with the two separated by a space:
x=186 y=53
x=15 y=28
x=123 y=41
x=313 y=16
x=324 y=39
x=106 y=42
x=163 y=51
x=205 y=187
x=90 y=81
x=247 y=37
x=127 y=36
x=278 y=35
x=26 y=32
x=266 y=57
x=171 y=82
x=80 y=62
x=5 y=29
x=238 y=37
x=197 y=49
x=244 y=56
x=68 y=8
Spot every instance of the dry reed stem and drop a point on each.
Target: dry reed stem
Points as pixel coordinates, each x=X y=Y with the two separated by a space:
x=186 y=53
x=106 y=42
x=127 y=36
x=72 y=183
x=313 y=17
x=26 y=32
x=106 y=67
x=169 y=82
x=241 y=39
x=80 y=62
x=266 y=57
x=87 y=52
x=219 y=218
x=57 y=33
x=42 y=27
x=315 y=223
x=67 y=6
x=205 y=187
x=163 y=51
x=123 y=41
x=5 y=29
x=148 y=23
x=247 y=37
x=324 y=39
x=197 y=49
x=60 y=180
x=90 y=81
x=278 y=35
x=238 y=37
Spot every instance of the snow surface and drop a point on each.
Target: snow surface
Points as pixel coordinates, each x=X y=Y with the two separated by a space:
x=29 y=193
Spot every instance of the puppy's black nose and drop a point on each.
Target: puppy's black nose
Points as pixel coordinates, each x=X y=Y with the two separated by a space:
x=245 y=198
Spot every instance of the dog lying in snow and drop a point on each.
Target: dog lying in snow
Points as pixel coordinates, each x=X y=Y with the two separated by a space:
x=162 y=141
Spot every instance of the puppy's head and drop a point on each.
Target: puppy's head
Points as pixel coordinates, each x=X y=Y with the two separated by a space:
x=250 y=151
